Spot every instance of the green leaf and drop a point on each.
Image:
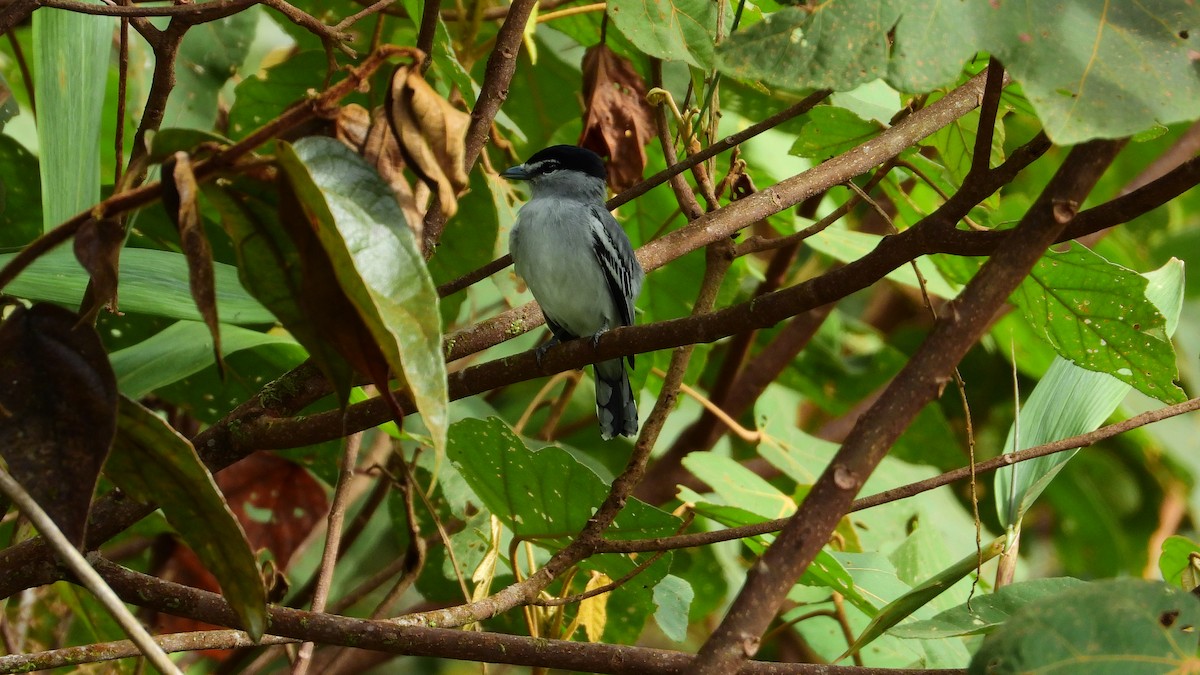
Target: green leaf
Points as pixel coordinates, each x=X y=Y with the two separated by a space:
x=1090 y=68
x=739 y=486
x=70 y=58
x=152 y=282
x=544 y=495
x=261 y=98
x=182 y=349
x=673 y=596
x=208 y=57
x=378 y=266
x=1113 y=627
x=153 y=464
x=920 y=596
x=834 y=45
x=677 y=30
x=1097 y=315
x=169 y=141
x=1069 y=400
x=985 y=612
x=829 y=130
x=20 y=195
x=8 y=103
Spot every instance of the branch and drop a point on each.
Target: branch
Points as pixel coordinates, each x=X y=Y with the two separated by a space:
x=123 y=649
x=905 y=491
x=75 y=562
x=921 y=380
x=386 y=636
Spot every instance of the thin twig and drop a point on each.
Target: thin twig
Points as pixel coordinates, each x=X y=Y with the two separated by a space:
x=84 y=572
x=333 y=538
x=124 y=649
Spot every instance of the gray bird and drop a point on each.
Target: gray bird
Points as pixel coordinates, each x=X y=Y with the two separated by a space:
x=579 y=265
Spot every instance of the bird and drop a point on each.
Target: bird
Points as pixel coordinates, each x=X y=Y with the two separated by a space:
x=579 y=265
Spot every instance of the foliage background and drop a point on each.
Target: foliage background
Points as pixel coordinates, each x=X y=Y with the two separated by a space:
x=503 y=467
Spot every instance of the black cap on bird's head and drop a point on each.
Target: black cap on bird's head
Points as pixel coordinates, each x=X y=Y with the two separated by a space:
x=559 y=158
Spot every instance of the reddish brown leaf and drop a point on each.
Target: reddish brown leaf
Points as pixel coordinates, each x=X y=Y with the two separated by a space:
x=431 y=134
x=180 y=196
x=277 y=502
x=58 y=410
x=98 y=248
x=618 y=122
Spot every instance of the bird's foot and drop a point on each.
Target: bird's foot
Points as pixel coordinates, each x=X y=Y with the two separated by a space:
x=543 y=348
x=596 y=336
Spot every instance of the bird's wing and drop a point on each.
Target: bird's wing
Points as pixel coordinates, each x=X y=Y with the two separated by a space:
x=621 y=269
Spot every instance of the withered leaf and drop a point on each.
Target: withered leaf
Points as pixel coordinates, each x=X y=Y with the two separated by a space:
x=98 y=246
x=58 y=410
x=180 y=196
x=617 y=122
x=431 y=133
x=370 y=135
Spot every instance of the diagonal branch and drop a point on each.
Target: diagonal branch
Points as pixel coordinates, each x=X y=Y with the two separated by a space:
x=922 y=380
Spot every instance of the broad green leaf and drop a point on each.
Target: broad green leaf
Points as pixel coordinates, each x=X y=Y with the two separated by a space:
x=544 y=495
x=378 y=265
x=1098 y=316
x=673 y=596
x=152 y=282
x=208 y=57
x=70 y=58
x=835 y=45
x=847 y=246
x=1091 y=68
x=829 y=130
x=1069 y=400
x=739 y=486
x=182 y=349
x=921 y=595
x=1176 y=564
x=261 y=98
x=985 y=612
x=1113 y=627
x=547 y=496
x=153 y=464
x=677 y=30
x=20 y=195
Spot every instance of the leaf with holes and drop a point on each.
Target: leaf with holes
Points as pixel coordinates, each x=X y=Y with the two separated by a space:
x=1126 y=626
x=678 y=30
x=1096 y=315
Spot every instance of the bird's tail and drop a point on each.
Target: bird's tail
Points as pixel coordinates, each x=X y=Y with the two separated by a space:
x=615 y=405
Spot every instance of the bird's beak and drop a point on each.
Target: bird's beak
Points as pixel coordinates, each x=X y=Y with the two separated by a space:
x=517 y=172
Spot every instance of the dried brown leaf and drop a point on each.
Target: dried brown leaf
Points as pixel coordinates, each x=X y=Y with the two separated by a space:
x=98 y=246
x=180 y=196
x=58 y=410
x=370 y=135
x=617 y=122
x=431 y=134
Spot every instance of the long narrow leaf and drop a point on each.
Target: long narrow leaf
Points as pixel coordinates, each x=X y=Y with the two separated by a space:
x=70 y=57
